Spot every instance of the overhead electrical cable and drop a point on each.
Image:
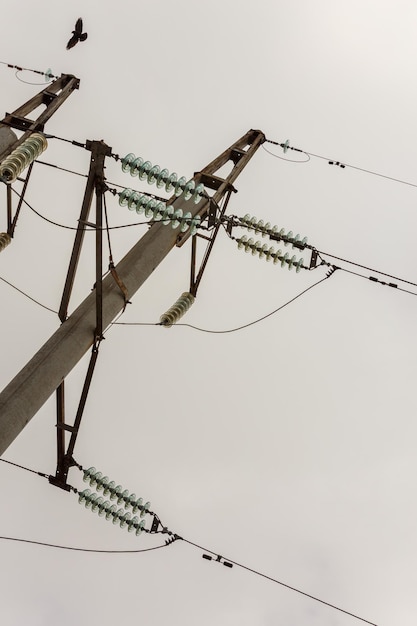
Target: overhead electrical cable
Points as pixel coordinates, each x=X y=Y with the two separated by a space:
x=278 y=582
x=341 y=164
x=60 y=547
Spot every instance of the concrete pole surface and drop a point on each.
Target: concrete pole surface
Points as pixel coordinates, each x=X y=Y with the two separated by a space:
x=22 y=398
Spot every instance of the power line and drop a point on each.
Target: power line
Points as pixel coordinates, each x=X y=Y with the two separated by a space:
x=286 y=147
x=278 y=582
x=25 y=468
x=60 y=547
x=29 y=297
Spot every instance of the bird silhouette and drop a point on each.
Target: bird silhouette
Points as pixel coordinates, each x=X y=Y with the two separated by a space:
x=77 y=34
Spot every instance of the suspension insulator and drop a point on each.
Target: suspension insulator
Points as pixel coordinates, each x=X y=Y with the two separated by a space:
x=22 y=157
x=97 y=504
x=113 y=491
x=158 y=211
x=262 y=250
x=5 y=239
x=258 y=226
x=177 y=310
x=154 y=175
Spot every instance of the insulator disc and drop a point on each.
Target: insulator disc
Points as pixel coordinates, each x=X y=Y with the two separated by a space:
x=125 y=519
x=137 y=505
x=145 y=509
x=124 y=196
x=133 y=524
x=127 y=160
x=185 y=222
x=88 y=473
x=171 y=182
x=103 y=508
x=109 y=488
x=140 y=528
x=195 y=224
x=144 y=170
x=123 y=497
x=198 y=193
x=176 y=218
x=110 y=512
x=277 y=256
x=136 y=166
x=97 y=503
x=168 y=213
x=153 y=174
x=118 y=516
x=162 y=178
x=189 y=189
x=83 y=495
x=179 y=187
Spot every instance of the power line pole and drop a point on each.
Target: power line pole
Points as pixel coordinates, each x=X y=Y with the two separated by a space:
x=45 y=372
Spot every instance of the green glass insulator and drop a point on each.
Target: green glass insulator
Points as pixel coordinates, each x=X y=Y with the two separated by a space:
x=186 y=222
x=88 y=473
x=198 y=193
x=291 y=262
x=282 y=233
x=125 y=519
x=94 y=478
x=140 y=528
x=133 y=201
x=288 y=238
x=103 y=508
x=133 y=524
x=159 y=211
x=144 y=170
x=245 y=219
x=124 y=196
x=270 y=254
x=171 y=182
x=109 y=488
x=97 y=503
x=84 y=495
x=299 y=265
x=263 y=251
x=89 y=501
x=136 y=166
x=115 y=492
x=138 y=505
x=259 y=227
x=117 y=516
x=110 y=512
x=241 y=243
x=249 y=244
x=284 y=259
x=150 y=208
x=252 y=223
x=266 y=229
x=162 y=178
x=195 y=224
x=131 y=500
x=277 y=256
x=145 y=509
x=176 y=218
x=168 y=213
x=189 y=189
x=180 y=186
x=255 y=248
x=153 y=174
x=123 y=497
x=127 y=160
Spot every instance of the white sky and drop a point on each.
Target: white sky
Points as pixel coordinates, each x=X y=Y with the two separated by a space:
x=289 y=446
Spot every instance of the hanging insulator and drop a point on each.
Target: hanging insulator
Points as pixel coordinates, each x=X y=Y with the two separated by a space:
x=153 y=174
x=158 y=211
x=97 y=504
x=177 y=310
x=5 y=239
x=22 y=157
x=115 y=492
x=262 y=250
x=252 y=223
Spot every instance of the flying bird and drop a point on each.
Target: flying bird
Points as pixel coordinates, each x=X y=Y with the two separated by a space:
x=77 y=34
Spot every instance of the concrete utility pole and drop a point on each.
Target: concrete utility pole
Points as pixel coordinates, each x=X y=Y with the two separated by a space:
x=45 y=372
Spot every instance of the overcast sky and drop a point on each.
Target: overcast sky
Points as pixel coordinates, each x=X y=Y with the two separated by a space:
x=289 y=446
